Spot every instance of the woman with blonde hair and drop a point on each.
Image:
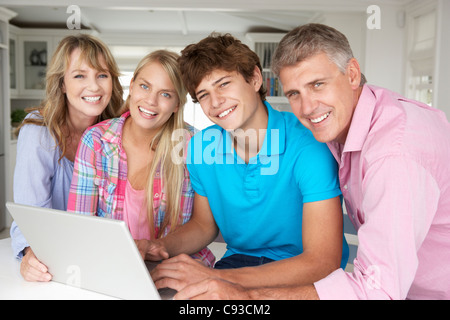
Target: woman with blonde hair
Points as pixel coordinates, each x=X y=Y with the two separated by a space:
x=82 y=88
x=128 y=160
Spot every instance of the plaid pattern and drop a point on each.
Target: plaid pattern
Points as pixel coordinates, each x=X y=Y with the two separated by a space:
x=100 y=177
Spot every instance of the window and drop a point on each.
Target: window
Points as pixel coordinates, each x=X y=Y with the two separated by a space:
x=125 y=80
x=423 y=88
x=193 y=114
x=421 y=56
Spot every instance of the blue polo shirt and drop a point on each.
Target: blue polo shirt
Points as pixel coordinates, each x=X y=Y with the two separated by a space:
x=258 y=206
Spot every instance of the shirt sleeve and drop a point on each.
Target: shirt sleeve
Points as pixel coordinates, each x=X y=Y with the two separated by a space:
x=18 y=241
x=317 y=173
x=187 y=196
x=83 y=194
x=400 y=199
x=33 y=174
x=192 y=166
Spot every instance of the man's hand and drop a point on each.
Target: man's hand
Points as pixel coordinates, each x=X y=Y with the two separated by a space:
x=213 y=289
x=219 y=289
x=180 y=271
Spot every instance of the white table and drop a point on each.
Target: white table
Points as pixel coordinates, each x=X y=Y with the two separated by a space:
x=14 y=287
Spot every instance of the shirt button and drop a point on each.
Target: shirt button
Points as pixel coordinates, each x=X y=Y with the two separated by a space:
x=346 y=187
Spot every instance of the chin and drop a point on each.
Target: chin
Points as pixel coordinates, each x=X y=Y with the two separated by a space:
x=322 y=138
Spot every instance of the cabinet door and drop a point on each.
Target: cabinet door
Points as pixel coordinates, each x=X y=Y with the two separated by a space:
x=33 y=59
x=13 y=83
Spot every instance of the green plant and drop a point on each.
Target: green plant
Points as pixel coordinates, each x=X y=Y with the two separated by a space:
x=18 y=115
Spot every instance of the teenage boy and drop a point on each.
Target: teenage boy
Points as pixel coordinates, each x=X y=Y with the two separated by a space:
x=393 y=155
x=259 y=177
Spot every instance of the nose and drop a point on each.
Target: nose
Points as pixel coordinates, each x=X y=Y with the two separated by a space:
x=151 y=98
x=307 y=104
x=93 y=84
x=216 y=100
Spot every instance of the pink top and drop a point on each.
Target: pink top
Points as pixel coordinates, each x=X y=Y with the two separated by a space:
x=395 y=177
x=135 y=213
x=99 y=180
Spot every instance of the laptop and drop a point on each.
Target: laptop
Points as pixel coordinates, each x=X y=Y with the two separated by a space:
x=88 y=252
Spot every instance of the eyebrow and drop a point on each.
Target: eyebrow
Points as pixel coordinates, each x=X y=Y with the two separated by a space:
x=308 y=84
x=320 y=79
x=214 y=84
x=86 y=71
x=79 y=71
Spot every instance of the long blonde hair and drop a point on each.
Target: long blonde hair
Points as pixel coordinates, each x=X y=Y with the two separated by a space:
x=53 y=109
x=173 y=174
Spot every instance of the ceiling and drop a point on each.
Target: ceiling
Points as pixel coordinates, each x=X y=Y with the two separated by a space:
x=182 y=17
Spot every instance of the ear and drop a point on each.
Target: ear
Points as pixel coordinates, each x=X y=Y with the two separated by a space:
x=256 y=81
x=354 y=73
x=131 y=86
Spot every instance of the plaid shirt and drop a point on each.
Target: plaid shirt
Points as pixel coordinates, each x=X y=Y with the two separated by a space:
x=100 y=177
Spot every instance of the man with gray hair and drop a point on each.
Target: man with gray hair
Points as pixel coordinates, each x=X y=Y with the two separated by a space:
x=393 y=155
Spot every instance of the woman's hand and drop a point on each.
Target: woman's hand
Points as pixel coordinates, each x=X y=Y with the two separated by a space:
x=152 y=250
x=32 y=269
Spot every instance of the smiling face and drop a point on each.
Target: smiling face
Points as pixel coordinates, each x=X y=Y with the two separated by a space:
x=153 y=97
x=322 y=97
x=88 y=91
x=230 y=101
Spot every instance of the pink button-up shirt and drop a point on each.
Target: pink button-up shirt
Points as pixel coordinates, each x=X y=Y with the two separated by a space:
x=395 y=177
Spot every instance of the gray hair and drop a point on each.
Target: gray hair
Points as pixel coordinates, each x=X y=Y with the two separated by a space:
x=305 y=41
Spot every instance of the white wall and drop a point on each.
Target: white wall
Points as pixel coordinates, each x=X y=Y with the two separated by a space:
x=380 y=52
x=385 y=51
x=353 y=26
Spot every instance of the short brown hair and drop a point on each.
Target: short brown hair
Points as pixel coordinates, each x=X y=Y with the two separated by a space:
x=217 y=51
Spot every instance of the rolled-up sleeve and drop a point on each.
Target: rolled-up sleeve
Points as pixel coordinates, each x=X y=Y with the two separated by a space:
x=399 y=201
x=32 y=176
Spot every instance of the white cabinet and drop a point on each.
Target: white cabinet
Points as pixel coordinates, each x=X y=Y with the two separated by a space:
x=32 y=50
x=33 y=54
x=5 y=175
x=13 y=65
